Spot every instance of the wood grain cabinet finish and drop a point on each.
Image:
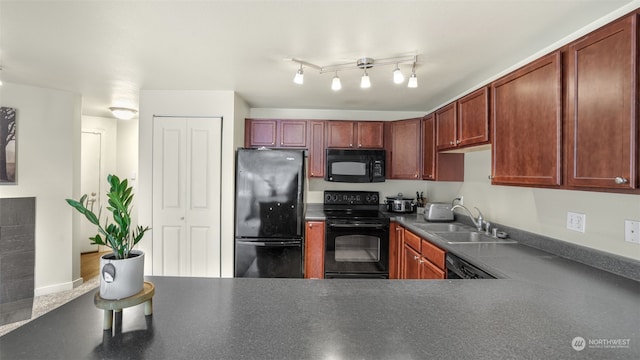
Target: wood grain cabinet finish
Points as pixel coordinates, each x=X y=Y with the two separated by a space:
x=473 y=119
x=420 y=258
x=316 y=149
x=464 y=122
x=446 y=134
x=275 y=133
x=260 y=133
x=405 y=149
x=602 y=124
x=355 y=134
x=314 y=250
x=526 y=123
x=438 y=165
x=395 y=250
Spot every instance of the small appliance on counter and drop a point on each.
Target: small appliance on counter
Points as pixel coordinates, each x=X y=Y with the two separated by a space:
x=400 y=204
x=438 y=212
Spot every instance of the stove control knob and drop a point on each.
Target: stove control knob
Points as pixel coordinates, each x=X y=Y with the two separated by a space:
x=374 y=199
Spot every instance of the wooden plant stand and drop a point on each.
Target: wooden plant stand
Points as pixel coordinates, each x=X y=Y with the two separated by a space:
x=109 y=306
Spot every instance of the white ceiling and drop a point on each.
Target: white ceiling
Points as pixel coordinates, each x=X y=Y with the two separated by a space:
x=110 y=50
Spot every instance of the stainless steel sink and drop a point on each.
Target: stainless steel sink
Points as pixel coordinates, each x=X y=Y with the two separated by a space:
x=443 y=227
x=473 y=238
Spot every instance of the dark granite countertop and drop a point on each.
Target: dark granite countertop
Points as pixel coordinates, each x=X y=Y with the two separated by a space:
x=539 y=306
x=205 y=318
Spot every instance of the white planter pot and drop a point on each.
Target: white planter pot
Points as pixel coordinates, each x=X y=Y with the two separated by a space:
x=120 y=279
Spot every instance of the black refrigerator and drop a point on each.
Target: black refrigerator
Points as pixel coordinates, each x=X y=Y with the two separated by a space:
x=269 y=213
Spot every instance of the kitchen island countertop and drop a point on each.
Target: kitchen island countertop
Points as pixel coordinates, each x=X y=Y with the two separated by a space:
x=205 y=318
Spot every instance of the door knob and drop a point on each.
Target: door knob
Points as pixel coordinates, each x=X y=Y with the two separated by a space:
x=620 y=180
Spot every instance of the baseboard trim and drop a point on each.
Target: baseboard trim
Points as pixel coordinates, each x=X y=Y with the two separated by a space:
x=46 y=290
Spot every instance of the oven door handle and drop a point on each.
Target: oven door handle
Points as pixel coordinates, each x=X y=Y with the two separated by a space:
x=357 y=225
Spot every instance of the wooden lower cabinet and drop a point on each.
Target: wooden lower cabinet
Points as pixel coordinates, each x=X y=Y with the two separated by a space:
x=419 y=258
x=314 y=250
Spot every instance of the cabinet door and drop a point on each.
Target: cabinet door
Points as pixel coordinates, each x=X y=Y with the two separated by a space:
x=293 y=133
x=314 y=250
x=316 y=149
x=340 y=134
x=370 y=134
x=527 y=122
x=395 y=250
x=428 y=148
x=601 y=108
x=411 y=263
x=473 y=118
x=430 y=271
x=260 y=133
x=406 y=149
x=446 y=127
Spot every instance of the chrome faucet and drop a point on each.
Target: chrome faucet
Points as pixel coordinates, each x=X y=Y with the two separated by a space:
x=477 y=221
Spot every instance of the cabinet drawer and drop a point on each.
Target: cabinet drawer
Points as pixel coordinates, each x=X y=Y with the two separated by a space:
x=430 y=271
x=412 y=240
x=433 y=253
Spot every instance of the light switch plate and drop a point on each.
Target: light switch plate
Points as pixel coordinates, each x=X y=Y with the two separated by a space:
x=576 y=221
x=632 y=231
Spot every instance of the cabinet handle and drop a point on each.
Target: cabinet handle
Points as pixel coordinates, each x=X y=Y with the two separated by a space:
x=450 y=142
x=458 y=142
x=416 y=257
x=415 y=176
x=420 y=261
x=350 y=145
x=310 y=226
x=359 y=145
x=620 y=180
x=430 y=176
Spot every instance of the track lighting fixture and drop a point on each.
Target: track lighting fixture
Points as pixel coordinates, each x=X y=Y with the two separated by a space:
x=413 y=79
x=335 y=83
x=398 y=78
x=364 y=63
x=299 y=78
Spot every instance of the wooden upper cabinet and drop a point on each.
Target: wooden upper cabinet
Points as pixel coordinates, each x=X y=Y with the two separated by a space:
x=370 y=134
x=355 y=134
x=406 y=149
x=446 y=127
x=261 y=133
x=293 y=133
x=602 y=135
x=527 y=123
x=340 y=134
x=473 y=118
x=428 y=147
x=275 y=133
x=436 y=165
x=316 y=148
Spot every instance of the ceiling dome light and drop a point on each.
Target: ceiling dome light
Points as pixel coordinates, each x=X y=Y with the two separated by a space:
x=123 y=113
x=398 y=78
x=299 y=78
x=335 y=83
x=365 y=82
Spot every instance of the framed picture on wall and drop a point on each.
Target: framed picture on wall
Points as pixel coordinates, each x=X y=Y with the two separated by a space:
x=8 y=159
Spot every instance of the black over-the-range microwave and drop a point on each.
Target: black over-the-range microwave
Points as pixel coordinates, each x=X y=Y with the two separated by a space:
x=355 y=166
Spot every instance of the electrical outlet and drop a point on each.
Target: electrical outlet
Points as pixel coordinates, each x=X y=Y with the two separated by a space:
x=632 y=231
x=576 y=221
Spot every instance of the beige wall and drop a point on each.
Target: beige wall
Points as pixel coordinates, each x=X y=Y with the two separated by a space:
x=544 y=211
x=48 y=155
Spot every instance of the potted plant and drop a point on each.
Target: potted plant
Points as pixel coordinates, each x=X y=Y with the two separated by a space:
x=122 y=271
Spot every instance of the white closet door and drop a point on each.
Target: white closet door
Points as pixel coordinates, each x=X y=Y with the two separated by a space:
x=186 y=196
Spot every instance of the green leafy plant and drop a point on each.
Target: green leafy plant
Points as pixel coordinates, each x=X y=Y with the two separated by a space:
x=117 y=235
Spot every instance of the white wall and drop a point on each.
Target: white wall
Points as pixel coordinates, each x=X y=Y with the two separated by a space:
x=48 y=154
x=223 y=104
x=126 y=152
x=544 y=211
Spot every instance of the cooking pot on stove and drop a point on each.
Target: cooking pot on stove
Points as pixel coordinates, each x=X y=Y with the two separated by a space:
x=400 y=204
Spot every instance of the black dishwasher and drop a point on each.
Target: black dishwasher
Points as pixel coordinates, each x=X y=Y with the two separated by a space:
x=461 y=269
